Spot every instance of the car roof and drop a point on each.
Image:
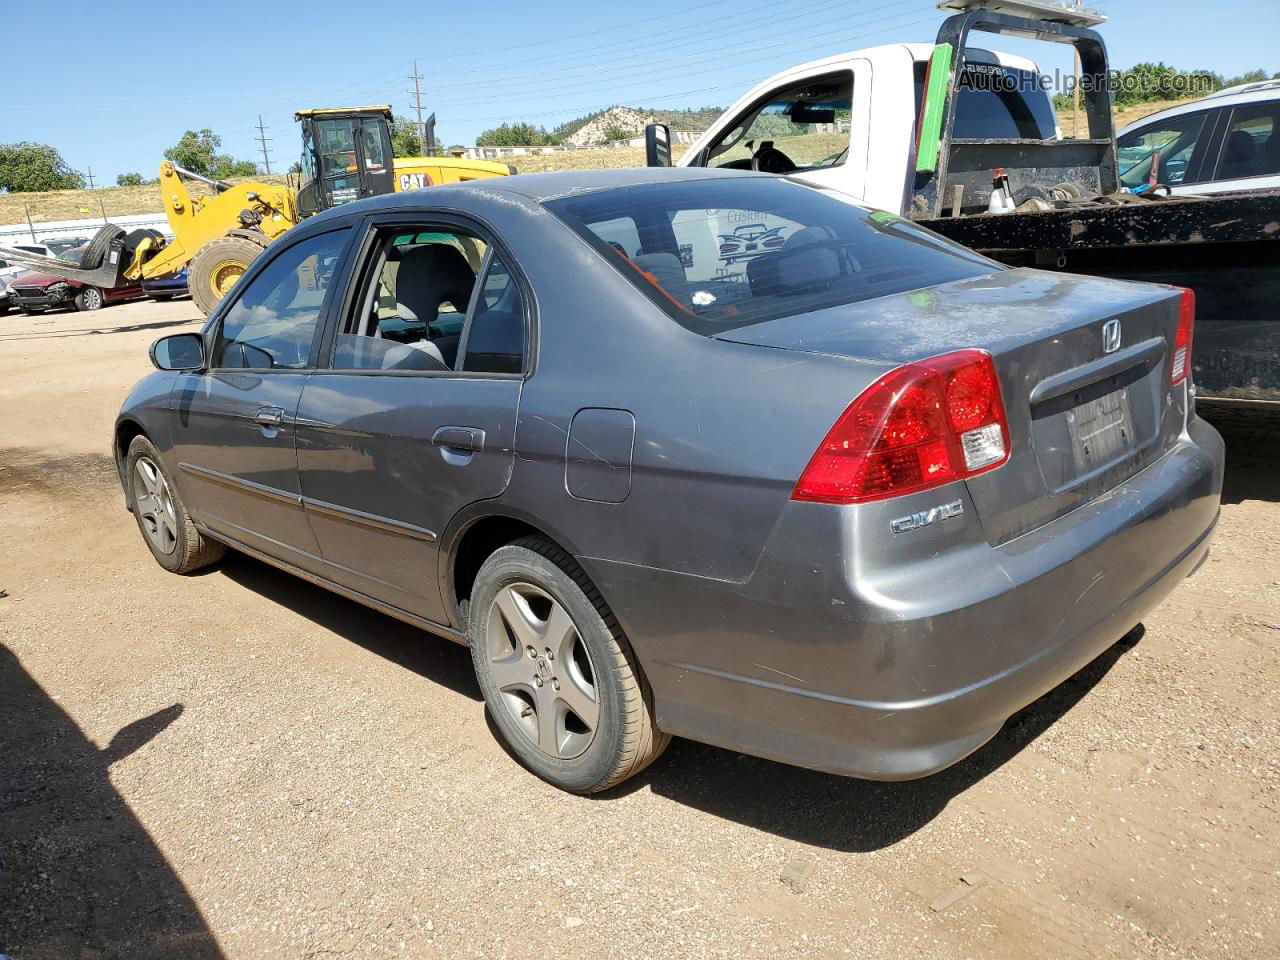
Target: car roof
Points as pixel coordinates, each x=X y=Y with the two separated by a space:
x=537 y=187
x=1244 y=93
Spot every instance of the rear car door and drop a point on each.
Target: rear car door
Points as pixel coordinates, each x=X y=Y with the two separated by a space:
x=412 y=416
x=233 y=423
x=1249 y=158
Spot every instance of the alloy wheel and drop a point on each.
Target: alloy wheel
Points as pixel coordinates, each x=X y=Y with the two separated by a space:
x=542 y=670
x=153 y=504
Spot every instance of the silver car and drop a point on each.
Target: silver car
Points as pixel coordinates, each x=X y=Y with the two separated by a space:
x=847 y=499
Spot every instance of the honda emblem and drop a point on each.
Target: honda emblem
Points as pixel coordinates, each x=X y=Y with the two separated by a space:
x=1111 y=336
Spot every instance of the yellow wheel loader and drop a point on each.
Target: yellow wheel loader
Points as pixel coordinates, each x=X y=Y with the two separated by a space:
x=346 y=155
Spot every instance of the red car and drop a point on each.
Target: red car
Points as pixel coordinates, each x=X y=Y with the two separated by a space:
x=35 y=292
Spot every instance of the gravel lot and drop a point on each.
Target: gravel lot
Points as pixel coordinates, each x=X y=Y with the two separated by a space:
x=239 y=764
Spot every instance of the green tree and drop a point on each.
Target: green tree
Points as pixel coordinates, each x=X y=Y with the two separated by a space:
x=129 y=180
x=225 y=166
x=616 y=131
x=25 y=167
x=1252 y=76
x=197 y=151
x=515 y=135
x=405 y=141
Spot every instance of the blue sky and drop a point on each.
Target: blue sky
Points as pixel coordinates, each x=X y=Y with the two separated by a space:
x=130 y=79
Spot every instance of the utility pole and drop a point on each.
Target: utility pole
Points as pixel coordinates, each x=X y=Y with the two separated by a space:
x=417 y=99
x=90 y=175
x=263 y=139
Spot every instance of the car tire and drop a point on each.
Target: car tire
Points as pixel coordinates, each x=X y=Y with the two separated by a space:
x=90 y=298
x=217 y=266
x=165 y=525
x=524 y=594
x=96 y=250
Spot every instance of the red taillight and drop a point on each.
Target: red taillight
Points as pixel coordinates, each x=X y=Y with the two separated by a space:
x=1181 y=365
x=918 y=426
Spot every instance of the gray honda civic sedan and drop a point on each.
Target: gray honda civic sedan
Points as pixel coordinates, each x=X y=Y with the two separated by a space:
x=681 y=452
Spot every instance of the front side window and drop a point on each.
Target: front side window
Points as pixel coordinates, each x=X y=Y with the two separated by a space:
x=273 y=322
x=803 y=127
x=726 y=253
x=413 y=312
x=374 y=157
x=1159 y=153
x=1252 y=144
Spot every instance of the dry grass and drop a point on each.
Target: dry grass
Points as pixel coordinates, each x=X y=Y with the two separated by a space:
x=122 y=201
x=82 y=204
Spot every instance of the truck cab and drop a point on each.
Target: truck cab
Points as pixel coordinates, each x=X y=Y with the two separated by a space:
x=849 y=122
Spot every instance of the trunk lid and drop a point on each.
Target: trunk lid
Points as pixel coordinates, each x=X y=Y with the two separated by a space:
x=1088 y=407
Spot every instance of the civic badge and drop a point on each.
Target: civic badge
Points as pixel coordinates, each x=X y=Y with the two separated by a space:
x=914 y=521
x=1111 y=335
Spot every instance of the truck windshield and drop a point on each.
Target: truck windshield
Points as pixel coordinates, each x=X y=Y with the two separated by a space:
x=716 y=254
x=996 y=102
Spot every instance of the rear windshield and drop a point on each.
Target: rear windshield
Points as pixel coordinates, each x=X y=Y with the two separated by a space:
x=719 y=254
x=997 y=103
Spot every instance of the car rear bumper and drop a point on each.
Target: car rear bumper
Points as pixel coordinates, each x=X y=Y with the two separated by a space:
x=897 y=672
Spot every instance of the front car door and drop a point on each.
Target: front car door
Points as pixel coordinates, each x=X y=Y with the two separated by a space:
x=1169 y=151
x=232 y=423
x=412 y=416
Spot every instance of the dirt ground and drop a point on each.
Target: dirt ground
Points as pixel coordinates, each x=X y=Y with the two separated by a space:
x=242 y=765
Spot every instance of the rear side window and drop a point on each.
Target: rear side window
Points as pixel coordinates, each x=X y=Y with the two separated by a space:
x=1251 y=147
x=997 y=103
x=717 y=254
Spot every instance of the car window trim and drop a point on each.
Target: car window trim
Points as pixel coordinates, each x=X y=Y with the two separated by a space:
x=361 y=261
x=1229 y=115
x=261 y=263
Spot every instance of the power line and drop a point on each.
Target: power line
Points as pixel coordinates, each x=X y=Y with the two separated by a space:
x=263 y=138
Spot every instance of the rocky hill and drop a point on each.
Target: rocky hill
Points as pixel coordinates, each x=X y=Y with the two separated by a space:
x=596 y=127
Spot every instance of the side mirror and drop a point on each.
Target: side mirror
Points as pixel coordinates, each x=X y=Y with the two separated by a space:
x=657 y=145
x=179 y=351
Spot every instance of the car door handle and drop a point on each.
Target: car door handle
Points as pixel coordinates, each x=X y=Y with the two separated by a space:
x=269 y=416
x=469 y=439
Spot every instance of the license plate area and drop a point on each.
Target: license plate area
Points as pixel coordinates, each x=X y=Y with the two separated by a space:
x=1101 y=430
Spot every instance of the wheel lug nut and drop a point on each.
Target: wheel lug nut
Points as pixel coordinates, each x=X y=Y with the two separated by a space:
x=533 y=654
x=555 y=683
x=537 y=681
x=550 y=655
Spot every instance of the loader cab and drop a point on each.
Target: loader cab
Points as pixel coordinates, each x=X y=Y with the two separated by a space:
x=346 y=155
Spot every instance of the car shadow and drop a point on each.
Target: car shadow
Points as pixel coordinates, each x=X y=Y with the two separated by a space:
x=100 y=331
x=841 y=813
x=79 y=874
x=436 y=658
x=1252 y=435
x=821 y=809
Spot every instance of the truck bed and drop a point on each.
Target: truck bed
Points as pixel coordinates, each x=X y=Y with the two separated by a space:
x=1225 y=247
